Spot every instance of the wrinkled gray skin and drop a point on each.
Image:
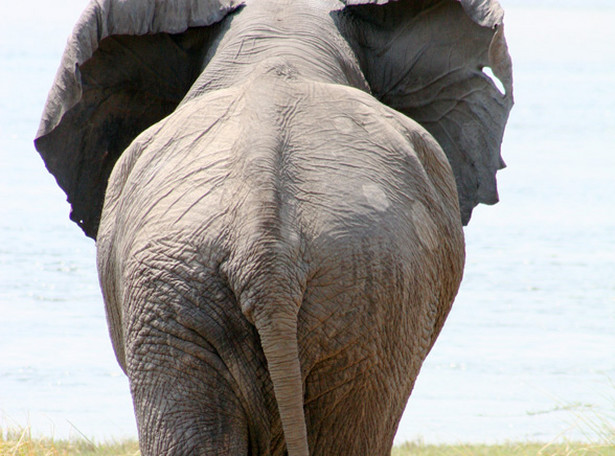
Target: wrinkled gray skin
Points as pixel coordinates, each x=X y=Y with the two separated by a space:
x=279 y=250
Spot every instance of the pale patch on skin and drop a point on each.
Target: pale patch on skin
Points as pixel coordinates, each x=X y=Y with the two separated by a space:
x=376 y=197
x=344 y=125
x=424 y=226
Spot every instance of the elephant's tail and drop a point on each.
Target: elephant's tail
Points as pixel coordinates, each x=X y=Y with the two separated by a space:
x=277 y=328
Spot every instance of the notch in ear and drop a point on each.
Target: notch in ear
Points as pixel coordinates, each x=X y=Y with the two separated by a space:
x=429 y=59
x=126 y=66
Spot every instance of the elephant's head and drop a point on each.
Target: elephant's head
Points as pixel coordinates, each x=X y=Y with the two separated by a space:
x=129 y=63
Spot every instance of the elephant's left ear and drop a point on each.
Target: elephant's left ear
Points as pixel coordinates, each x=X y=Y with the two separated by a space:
x=127 y=65
x=429 y=59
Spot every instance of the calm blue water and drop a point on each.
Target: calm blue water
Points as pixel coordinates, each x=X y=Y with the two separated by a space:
x=529 y=349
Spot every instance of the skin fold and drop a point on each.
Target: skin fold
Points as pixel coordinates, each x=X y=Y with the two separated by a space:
x=279 y=251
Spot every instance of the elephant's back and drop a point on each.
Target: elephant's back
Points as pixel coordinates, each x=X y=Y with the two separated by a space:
x=332 y=157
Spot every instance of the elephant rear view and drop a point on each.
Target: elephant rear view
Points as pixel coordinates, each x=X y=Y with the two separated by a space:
x=277 y=191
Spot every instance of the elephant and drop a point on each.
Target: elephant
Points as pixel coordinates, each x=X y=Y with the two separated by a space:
x=277 y=191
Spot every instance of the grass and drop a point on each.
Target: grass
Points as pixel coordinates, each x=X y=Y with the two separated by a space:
x=21 y=443
x=508 y=449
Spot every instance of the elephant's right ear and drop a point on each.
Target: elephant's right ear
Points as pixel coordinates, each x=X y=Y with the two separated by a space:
x=127 y=65
x=426 y=59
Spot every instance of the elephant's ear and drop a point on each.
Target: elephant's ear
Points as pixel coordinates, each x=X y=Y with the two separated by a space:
x=127 y=65
x=426 y=58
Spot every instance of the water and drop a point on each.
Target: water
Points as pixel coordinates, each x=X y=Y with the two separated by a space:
x=529 y=349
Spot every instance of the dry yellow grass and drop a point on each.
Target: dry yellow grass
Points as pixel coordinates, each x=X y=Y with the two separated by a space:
x=21 y=443
x=508 y=449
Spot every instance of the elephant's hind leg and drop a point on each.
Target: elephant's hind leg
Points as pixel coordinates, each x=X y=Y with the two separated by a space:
x=184 y=407
x=186 y=398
